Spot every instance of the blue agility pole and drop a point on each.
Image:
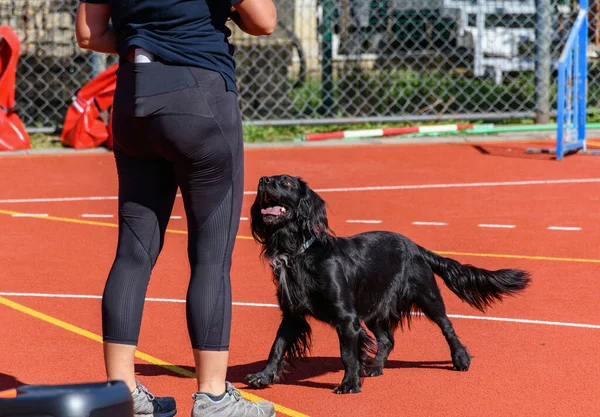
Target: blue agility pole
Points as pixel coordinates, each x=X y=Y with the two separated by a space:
x=572 y=88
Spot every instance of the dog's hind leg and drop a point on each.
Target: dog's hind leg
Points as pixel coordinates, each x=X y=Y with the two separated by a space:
x=432 y=305
x=385 y=343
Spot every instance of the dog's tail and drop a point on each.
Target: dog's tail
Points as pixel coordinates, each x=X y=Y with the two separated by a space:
x=367 y=348
x=477 y=286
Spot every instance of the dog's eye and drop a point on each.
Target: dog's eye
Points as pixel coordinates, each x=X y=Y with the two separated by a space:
x=287 y=183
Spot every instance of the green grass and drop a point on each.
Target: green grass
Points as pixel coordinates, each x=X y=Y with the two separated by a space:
x=43 y=141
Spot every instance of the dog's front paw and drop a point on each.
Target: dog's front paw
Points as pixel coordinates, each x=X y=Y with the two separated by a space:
x=348 y=387
x=461 y=360
x=259 y=380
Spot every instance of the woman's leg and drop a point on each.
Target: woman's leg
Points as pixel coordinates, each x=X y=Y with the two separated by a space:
x=211 y=370
x=147 y=191
x=212 y=192
x=209 y=293
x=211 y=179
x=119 y=363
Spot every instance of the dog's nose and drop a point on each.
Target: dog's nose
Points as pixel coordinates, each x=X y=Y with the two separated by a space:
x=265 y=180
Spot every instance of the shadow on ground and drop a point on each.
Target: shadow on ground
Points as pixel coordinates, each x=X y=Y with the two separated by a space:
x=301 y=375
x=9 y=382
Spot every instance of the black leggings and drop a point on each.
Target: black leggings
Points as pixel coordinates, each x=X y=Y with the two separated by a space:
x=175 y=126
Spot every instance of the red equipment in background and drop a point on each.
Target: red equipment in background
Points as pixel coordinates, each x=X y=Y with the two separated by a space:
x=88 y=119
x=13 y=135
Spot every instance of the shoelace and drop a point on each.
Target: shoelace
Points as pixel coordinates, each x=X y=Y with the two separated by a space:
x=148 y=394
x=238 y=396
x=234 y=393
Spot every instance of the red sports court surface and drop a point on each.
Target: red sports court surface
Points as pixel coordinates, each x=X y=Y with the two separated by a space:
x=490 y=205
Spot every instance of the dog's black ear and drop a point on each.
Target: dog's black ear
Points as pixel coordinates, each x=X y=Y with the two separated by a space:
x=312 y=213
x=257 y=225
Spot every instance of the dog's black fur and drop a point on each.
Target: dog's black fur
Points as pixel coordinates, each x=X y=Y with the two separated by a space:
x=377 y=277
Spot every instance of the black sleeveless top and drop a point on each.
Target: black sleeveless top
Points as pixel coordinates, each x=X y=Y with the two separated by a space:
x=183 y=32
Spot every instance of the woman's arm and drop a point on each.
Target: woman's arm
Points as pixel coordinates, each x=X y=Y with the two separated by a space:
x=255 y=17
x=92 y=28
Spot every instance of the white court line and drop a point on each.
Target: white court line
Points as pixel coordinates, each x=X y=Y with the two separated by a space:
x=458 y=185
x=98 y=216
x=29 y=215
x=498 y=226
x=174 y=300
x=563 y=228
x=343 y=189
x=430 y=223
x=57 y=199
x=525 y=321
x=364 y=221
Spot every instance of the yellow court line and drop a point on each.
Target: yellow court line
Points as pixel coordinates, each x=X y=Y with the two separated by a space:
x=61 y=219
x=486 y=255
x=143 y=356
x=94 y=223
x=52 y=155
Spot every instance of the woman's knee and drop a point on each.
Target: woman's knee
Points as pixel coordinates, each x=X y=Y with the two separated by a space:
x=140 y=236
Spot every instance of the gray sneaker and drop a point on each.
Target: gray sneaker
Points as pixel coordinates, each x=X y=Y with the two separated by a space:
x=147 y=405
x=232 y=405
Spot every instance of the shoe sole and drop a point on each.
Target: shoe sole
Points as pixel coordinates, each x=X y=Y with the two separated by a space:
x=169 y=414
x=270 y=415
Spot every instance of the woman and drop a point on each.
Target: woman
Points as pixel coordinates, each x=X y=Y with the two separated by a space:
x=176 y=123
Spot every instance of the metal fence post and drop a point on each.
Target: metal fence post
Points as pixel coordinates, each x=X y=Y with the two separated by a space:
x=97 y=62
x=583 y=70
x=543 y=61
x=327 y=87
x=479 y=69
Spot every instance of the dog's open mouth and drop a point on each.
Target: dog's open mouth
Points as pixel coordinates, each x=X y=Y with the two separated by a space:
x=276 y=211
x=270 y=208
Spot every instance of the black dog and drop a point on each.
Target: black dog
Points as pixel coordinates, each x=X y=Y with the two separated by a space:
x=376 y=277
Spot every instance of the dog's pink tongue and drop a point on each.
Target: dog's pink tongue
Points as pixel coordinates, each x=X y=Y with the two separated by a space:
x=275 y=211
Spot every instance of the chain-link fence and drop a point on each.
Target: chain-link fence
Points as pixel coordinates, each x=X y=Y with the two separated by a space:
x=345 y=60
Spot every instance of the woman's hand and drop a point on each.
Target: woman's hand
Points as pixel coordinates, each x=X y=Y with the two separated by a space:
x=255 y=17
x=92 y=28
